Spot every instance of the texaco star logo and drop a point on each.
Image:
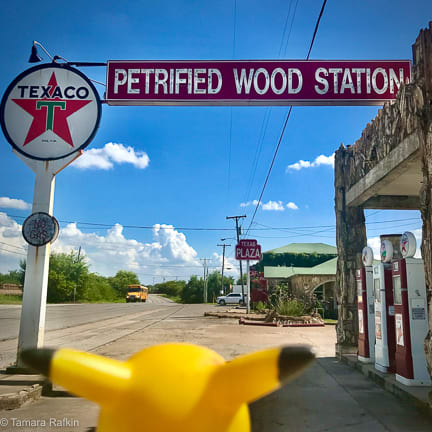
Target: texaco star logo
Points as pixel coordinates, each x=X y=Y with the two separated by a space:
x=404 y=245
x=50 y=111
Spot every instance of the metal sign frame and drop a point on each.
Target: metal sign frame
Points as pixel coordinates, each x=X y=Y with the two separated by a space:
x=229 y=97
x=20 y=77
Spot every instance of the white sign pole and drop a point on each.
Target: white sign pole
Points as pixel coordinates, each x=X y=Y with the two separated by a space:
x=32 y=324
x=248 y=287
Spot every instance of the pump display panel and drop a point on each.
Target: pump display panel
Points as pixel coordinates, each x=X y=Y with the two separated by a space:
x=397 y=290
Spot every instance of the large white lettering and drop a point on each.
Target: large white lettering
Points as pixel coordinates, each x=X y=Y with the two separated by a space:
x=321 y=80
x=217 y=88
x=243 y=81
x=131 y=80
x=119 y=81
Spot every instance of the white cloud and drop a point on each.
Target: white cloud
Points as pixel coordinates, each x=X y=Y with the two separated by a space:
x=230 y=265
x=18 y=204
x=273 y=205
x=320 y=160
x=168 y=255
x=247 y=204
x=105 y=157
x=375 y=244
x=12 y=245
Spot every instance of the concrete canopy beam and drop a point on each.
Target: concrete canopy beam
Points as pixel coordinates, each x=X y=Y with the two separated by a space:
x=402 y=162
x=393 y=202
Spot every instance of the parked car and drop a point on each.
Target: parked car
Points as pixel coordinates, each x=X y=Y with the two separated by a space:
x=232 y=298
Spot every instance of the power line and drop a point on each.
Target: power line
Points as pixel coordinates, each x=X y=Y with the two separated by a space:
x=292 y=22
x=95 y=224
x=14 y=246
x=268 y=112
x=9 y=251
x=231 y=112
x=286 y=120
x=264 y=227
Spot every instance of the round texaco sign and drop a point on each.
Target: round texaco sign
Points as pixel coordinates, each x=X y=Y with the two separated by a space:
x=367 y=256
x=40 y=228
x=408 y=244
x=50 y=111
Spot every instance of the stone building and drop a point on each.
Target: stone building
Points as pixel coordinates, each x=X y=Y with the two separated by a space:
x=388 y=167
x=319 y=279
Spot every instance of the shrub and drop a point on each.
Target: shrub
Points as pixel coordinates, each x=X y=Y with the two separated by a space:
x=260 y=306
x=290 y=308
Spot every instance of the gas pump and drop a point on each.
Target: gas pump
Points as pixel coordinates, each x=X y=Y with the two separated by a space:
x=366 y=308
x=384 y=311
x=411 y=317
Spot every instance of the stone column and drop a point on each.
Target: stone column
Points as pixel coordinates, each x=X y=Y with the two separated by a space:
x=350 y=241
x=426 y=213
x=422 y=69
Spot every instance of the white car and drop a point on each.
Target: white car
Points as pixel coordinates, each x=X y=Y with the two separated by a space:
x=231 y=299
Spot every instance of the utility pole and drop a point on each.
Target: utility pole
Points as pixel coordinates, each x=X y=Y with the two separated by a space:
x=205 y=277
x=78 y=258
x=238 y=241
x=223 y=263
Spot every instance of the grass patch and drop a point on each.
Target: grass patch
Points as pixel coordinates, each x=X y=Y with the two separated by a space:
x=330 y=321
x=10 y=299
x=176 y=299
x=119 y=300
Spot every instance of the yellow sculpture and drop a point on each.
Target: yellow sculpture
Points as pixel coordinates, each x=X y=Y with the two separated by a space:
x=171 y=387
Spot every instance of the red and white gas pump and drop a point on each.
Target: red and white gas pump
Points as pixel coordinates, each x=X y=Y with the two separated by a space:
x=411 y=317
x=366 y=308
x=384 y=311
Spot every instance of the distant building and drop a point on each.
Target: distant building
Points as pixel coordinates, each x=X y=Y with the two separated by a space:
x=10 y=289
x=306 y=268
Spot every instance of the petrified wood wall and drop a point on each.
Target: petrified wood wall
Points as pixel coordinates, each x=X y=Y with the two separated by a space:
x=411 y=113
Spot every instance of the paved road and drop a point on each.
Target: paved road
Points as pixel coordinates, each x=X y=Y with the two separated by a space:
x=330 y=396
x=82 y=326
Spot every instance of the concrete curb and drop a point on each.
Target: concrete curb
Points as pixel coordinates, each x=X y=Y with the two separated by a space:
x=234 y=315
x=10 y=401
x=421 y=397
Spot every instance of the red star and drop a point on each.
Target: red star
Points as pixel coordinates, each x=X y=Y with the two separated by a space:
x=50 y=114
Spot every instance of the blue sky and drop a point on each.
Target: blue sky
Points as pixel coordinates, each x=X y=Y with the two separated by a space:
x=193 y=166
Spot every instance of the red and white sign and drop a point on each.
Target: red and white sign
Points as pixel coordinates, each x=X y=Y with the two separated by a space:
x=248 y=250
x=50 y=111
x=255 y=82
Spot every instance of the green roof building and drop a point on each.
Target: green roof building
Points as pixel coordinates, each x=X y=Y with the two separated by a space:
x=308 y=248
x=317 y=274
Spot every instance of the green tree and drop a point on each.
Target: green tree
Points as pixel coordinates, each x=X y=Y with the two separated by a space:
x=214 y=285
x=193 y=291
x=66 y=276
x=97 y=288
x=121 y=280
x=244 y=279
x=12 y=277
x=170 y=288
x=60 y=288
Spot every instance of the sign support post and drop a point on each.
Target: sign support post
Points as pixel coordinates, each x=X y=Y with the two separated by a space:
x=248 y=288
x=248 y=249
x=32 y=324
x=48 y=114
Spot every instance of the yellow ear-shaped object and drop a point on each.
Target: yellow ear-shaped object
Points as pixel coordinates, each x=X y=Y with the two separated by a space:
x=171 y=387
x=262 y=372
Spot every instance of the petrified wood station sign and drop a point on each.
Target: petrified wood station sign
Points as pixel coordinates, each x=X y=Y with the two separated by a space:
x=263 y=82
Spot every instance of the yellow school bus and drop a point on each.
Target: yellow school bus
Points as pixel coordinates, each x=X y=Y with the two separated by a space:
x=136 y=293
